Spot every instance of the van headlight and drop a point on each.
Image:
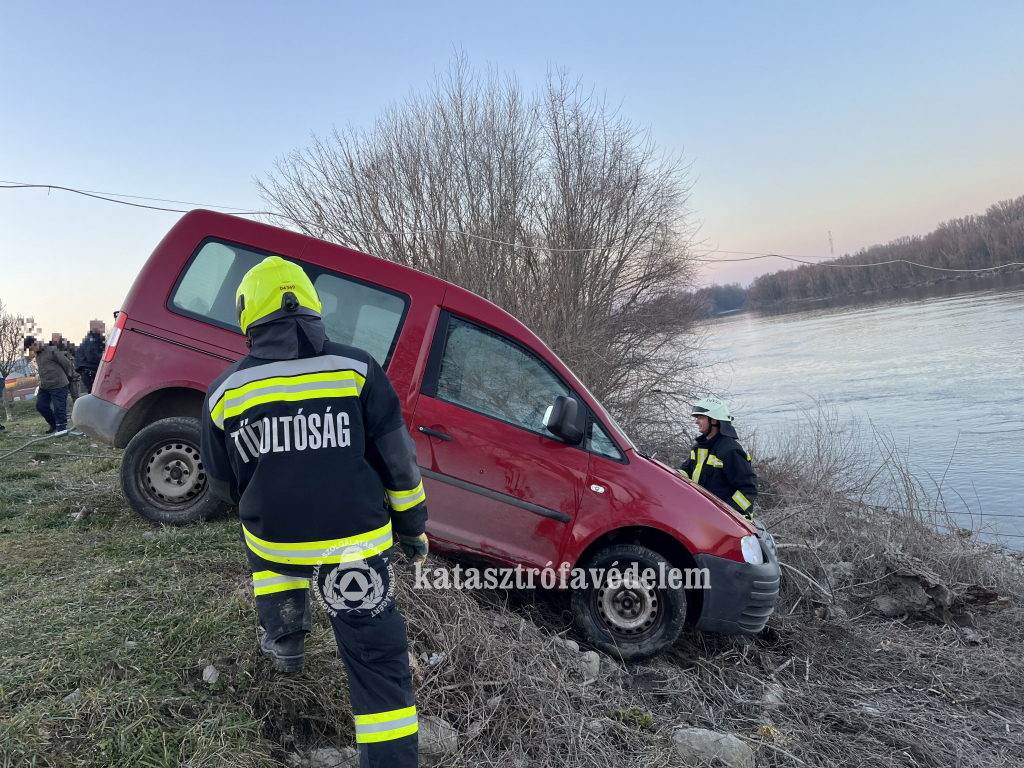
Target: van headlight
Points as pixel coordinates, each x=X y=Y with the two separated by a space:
x=751 y=547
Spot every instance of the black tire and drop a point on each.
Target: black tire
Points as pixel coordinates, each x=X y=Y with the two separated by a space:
x=632 y=622
x=162 y=474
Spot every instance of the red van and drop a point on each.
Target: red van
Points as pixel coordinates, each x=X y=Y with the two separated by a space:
x=521 y=465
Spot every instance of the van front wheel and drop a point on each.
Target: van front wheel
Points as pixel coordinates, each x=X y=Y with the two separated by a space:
x=628 y=617
x=162 y=474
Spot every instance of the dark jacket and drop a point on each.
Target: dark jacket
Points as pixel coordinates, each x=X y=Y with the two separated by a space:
x=54 y=367
x=89 y=353
x=316 y=453
x=722 y=466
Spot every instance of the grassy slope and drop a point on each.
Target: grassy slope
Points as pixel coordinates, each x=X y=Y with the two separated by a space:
x=93 y=605
x=132 y=620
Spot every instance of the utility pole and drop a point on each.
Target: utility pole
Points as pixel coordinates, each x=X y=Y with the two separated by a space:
x=830 y=248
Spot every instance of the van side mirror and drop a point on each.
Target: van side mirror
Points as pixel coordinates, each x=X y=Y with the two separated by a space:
x=562 y=420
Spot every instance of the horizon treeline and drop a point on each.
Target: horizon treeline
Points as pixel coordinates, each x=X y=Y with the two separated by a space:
x=970 y=242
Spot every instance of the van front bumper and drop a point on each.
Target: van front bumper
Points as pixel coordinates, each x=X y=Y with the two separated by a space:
x=741 y=596
x=98 y=418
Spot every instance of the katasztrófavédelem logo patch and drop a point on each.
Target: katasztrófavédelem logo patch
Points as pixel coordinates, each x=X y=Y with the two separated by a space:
x=350 y=585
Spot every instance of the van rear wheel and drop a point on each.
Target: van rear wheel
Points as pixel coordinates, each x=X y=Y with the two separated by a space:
x=631 y=620
x=162 y=474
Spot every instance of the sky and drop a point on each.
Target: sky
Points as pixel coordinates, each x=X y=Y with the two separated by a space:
x=869 y=120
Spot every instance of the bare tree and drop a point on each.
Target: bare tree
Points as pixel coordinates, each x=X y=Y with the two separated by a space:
x=550 y=204
x=11 y=349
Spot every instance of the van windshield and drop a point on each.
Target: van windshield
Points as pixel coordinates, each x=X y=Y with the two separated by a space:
x=355 y=313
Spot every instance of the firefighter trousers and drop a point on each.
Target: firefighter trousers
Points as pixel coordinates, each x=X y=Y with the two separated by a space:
x=372 y=642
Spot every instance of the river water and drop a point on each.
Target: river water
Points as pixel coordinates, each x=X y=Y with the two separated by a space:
x=939 y=368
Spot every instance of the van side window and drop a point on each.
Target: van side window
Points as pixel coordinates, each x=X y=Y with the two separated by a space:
x=359 y=315
x=209 y=284
x=598 y=442
x=485 y=372
x=354 y=313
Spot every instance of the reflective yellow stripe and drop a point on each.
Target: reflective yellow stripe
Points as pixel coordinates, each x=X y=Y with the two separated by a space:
x=683 y=473
x=403 y=500
x=268 y=582
x=385 y=726
x=290 y=389
x=329 y=551
x=702 y=454
x=748 y=456
x=217 y=414
x=281 y=369
x=714 y=461
x=740 y=499
x=693 y=457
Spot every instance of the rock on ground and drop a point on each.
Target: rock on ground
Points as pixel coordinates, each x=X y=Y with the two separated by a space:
x=699 y=746
x=329 y=757
x=840 y=574
x=437 y=738
x=591 y=664
x=912 y=589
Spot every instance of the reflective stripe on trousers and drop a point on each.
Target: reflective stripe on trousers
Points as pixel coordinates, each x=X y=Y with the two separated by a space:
x=384 y=726
x=268 y=582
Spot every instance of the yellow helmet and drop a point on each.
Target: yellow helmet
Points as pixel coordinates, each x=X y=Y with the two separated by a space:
x=274 y=288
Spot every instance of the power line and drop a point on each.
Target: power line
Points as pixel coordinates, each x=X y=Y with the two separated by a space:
x=751 y=255
x=17 y=184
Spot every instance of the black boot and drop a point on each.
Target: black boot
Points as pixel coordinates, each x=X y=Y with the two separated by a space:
x=288 y=652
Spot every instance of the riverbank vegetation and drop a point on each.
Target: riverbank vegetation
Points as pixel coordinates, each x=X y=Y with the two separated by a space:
x=896 y=641
x=968 y=243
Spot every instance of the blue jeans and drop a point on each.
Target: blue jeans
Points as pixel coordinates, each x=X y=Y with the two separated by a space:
x=59 y=398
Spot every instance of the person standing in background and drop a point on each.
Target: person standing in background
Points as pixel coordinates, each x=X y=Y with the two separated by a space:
x=75 y=379
x=55 y=373
x=90 y=352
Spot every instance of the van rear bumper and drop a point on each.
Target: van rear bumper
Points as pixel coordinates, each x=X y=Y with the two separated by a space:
x=742 y=596
x=98 y=418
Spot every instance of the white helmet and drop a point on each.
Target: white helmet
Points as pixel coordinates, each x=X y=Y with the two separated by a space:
x=713 y=408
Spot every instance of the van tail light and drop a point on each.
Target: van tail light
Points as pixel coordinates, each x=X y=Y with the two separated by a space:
x=115 y=336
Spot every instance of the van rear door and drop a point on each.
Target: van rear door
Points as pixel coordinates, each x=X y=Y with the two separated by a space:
x=497 y=482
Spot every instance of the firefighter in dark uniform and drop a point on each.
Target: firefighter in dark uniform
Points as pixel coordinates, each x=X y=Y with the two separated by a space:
x=717 y=461
x=307 y=437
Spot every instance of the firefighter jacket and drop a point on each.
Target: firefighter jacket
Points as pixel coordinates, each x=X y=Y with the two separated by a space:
x=316 y=453
x=722 y=467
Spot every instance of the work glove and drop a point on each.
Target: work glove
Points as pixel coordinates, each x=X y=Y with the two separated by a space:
x=415 y=547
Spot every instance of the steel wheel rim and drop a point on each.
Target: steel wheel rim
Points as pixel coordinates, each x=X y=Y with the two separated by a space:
x=630 y=609
x=173 y=476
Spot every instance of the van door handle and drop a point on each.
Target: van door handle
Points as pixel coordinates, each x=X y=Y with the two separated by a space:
x=435 y=433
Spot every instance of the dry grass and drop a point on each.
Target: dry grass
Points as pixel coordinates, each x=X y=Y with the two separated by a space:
x=858 y=689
